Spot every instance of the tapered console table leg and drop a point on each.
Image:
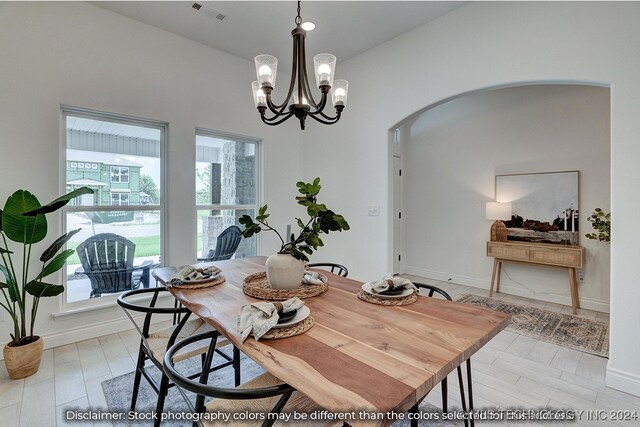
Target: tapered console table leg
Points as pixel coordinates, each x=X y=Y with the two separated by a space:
x=498 y=274
x=493 y=276
x=575 y=298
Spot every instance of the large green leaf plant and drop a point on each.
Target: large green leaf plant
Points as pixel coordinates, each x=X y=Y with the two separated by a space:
x=23 y=221
x=322 y=220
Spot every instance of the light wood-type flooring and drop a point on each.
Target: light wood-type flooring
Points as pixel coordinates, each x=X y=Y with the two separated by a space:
x=512 y=370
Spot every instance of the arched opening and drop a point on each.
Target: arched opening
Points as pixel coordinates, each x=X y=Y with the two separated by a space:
x=450 y=153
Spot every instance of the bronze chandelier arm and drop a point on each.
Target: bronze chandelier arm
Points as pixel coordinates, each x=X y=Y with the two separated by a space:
x=329 y=121
x=305 y=79
x=281 y=107
x=270 y=122
x=320 y=107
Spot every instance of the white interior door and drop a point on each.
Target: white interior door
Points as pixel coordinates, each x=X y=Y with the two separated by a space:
x=397 y=211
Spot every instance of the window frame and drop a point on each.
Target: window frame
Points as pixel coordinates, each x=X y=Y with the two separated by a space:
x=109 y=300
x=120 y=194
x=257 y=143
x=120 y=169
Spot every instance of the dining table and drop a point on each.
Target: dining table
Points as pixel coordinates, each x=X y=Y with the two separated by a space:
x=357 y=356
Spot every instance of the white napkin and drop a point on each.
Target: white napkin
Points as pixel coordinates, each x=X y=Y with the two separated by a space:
x=188 y=273
x=311 y=278
x=389 y=282
x=260 y=317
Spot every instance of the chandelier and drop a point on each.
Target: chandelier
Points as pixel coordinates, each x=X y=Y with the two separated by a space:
x=303 y=103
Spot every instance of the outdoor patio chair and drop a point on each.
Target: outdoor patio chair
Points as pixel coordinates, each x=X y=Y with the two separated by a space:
x=226 y=245
x=107 y=260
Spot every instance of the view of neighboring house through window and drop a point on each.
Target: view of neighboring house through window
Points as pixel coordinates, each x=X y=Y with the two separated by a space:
x=120 y=241
x=227 y=183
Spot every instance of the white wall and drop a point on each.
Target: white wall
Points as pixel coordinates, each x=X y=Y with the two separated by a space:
x=451 y=155
x=80 y=55
x=479 y=46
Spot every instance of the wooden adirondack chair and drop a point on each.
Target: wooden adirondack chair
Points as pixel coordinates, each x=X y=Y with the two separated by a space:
x=226 y=245
x=107 y=259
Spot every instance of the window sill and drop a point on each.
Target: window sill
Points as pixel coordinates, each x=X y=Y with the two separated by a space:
x=71 y=311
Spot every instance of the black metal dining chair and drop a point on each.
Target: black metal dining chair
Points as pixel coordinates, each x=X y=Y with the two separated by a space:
x=432 y=290
x=338 y=269
x=226 y=245
x=154 y=345
x=264 y=394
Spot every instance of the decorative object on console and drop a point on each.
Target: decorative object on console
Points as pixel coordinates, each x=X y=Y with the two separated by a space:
x=601 y=222
x=285 y=269
x=545 y=206
x=498 y=212
x=303 y=103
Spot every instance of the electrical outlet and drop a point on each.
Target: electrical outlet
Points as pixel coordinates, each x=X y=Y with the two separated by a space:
x=374 y=210
x=580 y=276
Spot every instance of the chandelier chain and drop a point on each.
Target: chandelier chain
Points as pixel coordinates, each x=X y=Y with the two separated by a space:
x=298 y=18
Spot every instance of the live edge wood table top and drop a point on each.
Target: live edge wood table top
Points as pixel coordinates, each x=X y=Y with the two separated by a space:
x=357 y=356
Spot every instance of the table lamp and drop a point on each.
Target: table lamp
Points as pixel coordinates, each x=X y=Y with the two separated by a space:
x=498 y=212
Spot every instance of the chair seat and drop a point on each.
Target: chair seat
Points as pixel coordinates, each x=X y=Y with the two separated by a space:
x=158 y=341
x=298 y=402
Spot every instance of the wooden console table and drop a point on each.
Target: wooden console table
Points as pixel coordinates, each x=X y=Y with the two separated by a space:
x=569 y=257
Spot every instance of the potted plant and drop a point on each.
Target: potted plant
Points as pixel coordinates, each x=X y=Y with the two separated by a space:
x=286 y=268
x=23 y=221
x=601 y=223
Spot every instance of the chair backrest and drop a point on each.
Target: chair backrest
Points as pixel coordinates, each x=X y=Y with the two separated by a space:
x=227 y=243
x=433 y=289
x=338 y=269
x=107 y=259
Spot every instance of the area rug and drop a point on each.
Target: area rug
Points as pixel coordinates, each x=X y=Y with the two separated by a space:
x=118 y=396
x=574 y=332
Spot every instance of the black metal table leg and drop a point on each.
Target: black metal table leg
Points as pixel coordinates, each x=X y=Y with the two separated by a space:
x=470 y=388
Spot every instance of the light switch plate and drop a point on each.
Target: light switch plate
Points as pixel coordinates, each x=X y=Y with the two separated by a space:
x=374 y=210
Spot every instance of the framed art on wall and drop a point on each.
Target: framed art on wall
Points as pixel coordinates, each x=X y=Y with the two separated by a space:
x=545 y=206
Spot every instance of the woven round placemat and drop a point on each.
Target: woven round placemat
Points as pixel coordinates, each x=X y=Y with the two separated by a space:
x=257 y=286
x=291 y=331
x=213 y=282
x=409 y=299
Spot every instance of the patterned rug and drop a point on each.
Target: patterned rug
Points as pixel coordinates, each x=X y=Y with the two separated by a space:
x=574 y=332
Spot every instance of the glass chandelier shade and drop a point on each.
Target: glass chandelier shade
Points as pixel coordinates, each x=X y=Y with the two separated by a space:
x=303 y=103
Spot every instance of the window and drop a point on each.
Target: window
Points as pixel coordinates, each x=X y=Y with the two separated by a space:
x=227 y=183
x=119 y=199
x=120 y=158
x=118 y=174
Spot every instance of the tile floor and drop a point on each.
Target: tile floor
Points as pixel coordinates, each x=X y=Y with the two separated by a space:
x=511 y=370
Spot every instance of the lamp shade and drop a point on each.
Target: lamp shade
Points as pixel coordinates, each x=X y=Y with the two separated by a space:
x=266 y=69
x=339 y=92
x=498 y=211
x=325 y=66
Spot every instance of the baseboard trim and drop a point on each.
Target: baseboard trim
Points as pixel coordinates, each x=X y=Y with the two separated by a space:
x=622 y=380
x=70 y=336
x=504 y=288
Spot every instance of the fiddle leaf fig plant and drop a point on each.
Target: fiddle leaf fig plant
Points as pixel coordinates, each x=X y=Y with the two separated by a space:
x=322 y=220
x=601 y=223
x=23 y=221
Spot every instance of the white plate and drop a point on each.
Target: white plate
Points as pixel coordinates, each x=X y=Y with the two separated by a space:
x=302 y=314
x=367 y=288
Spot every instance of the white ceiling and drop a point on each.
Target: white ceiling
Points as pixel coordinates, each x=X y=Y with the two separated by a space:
x=343 y=28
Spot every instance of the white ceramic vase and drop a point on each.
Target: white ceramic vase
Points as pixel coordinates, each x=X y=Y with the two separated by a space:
x=284 y=271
